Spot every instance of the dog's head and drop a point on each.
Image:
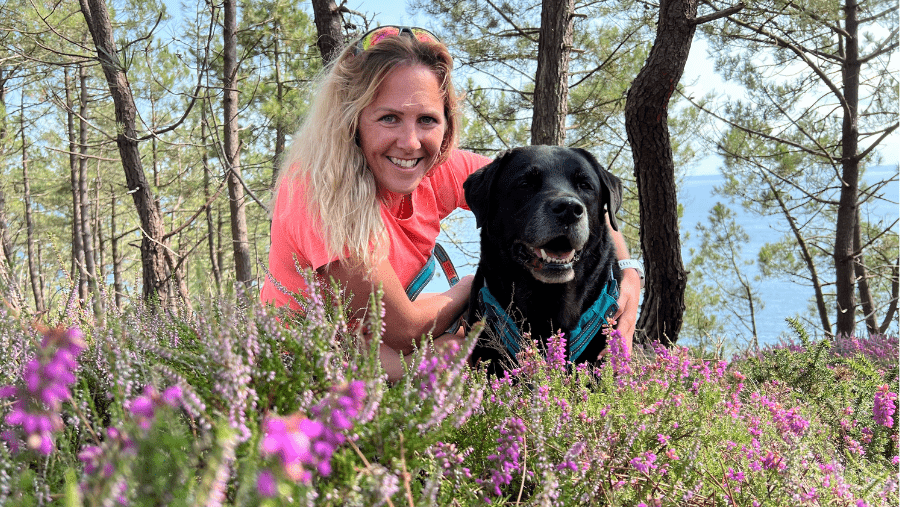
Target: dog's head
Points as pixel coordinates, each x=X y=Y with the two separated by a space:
x=544 y=203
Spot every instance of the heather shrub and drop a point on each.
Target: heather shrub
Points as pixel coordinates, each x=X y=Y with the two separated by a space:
x=239 y=404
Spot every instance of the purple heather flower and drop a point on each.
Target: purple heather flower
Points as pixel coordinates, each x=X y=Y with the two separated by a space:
x=735 y=476
x=37 y=400
x=172 y=396
x=556 y=351
x=449 y=459
x=90 y=456
x=142 y=406
x=303 y=444
x=884 y=407
x=266 y=485
x=645 y=462
x=512 y=434
x=620 y=356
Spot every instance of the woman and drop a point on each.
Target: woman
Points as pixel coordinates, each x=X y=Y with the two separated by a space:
x=370 y=174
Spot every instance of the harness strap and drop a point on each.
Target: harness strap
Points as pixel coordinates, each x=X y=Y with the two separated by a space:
x=446 y=264
x=438 y=255
x=499 y=321
x=578 y=338
x=592 y=320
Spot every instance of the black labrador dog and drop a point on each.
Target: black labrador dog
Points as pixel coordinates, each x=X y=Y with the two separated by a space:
x=547 y=259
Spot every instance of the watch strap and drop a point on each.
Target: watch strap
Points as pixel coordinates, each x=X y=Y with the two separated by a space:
x=633 y=264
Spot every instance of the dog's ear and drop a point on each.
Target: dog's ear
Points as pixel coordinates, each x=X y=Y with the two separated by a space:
x=479 y=186
x=611 y=193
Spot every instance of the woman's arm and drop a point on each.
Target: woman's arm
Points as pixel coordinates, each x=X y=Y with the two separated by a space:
x=405 y=321
x=629 y=292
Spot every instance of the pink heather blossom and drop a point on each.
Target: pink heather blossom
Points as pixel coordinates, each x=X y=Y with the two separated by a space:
x=303 y=444
x=37 y=400
x=884 y=406
x=172 y=396
x=143 y=408
x=449 y=459
x=556 y=351
x=645 y=462
x=512 y=435
x=266 y=485
x=620 y=356
x=735 y=476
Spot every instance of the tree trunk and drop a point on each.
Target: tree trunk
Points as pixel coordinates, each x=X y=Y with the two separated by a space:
x=87 y=233
x=895 y=292
x=280 y=130
x=862 y=282
x=210 y=226
x=330 y=38
x=99 y=249
x=646 y=123
x=114 y=250
x=844 y=255
x=33 y=265
x=77 y=250
x=155 y=278
x=551 y=86
x=8 y=283
x=8 y=280
x=807 y=257
x=238 y=204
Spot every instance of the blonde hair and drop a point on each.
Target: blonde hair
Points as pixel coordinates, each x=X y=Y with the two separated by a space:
x=324 y=152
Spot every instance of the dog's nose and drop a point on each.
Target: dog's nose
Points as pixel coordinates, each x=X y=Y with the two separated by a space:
x=567 y=209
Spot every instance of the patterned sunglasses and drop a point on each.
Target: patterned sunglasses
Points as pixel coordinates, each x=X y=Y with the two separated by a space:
x=373 y=37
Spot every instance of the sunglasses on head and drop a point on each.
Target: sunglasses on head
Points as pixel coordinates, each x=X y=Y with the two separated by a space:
x=373 y=37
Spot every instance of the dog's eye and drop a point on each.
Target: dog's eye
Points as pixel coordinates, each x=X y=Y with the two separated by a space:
x=531 y=179
x=584 y=184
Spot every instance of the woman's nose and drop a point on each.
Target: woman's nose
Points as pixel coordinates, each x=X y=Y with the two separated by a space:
x=409 y=138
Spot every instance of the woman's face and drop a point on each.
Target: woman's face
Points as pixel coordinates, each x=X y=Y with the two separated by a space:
x=402 y=130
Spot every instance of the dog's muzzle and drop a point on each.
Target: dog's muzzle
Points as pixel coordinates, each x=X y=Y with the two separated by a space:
x=553 y=240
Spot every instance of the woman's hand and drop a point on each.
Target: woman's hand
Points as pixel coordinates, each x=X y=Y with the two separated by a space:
x=629 y=292
x=629 y=296
x=405 y=321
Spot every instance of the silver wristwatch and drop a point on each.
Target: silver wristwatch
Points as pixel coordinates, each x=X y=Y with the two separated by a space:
x=633 y=264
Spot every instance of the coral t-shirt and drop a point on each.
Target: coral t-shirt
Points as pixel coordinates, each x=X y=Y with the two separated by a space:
x=295 y=233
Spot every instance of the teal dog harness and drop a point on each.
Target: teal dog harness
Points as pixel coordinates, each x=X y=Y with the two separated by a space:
x=577 y=339
x=438 y=256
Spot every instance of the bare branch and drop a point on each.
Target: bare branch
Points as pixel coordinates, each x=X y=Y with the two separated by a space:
x=201 y=209
x=511 y=22
x=734 y=9
x=883 y=135
x=755 y=132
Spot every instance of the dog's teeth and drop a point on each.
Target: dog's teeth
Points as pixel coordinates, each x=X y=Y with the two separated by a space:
x=554 y=258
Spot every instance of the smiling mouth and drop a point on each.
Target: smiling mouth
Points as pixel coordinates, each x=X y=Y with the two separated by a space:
x=404 y=163
x=551 y=262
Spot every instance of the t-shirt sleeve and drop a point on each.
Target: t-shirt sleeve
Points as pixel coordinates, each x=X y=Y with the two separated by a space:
x=450 y=177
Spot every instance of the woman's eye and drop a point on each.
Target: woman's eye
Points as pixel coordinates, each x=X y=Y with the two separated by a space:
x=428 y=120
x=388 y=118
